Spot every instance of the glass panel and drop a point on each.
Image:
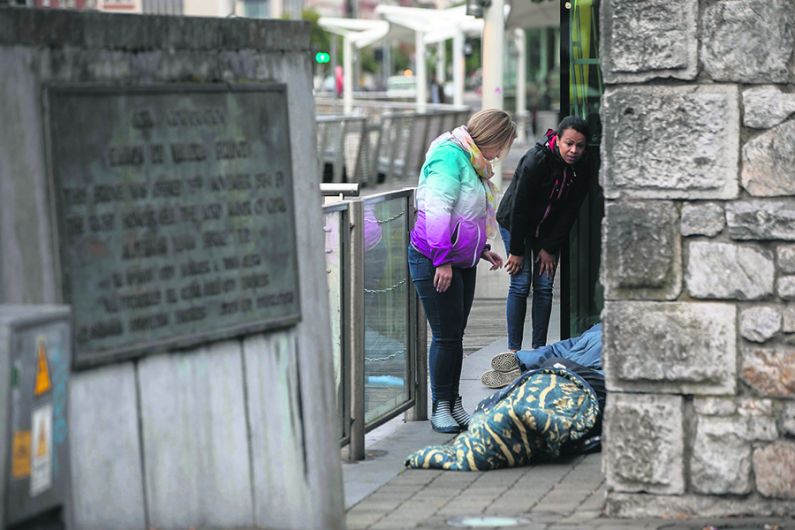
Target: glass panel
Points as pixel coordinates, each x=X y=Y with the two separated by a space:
x=386 y=297
x=586 y=296
x=334 y=270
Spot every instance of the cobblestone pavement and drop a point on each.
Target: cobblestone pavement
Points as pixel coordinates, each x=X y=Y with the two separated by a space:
x=560 y=495
x=552 y=496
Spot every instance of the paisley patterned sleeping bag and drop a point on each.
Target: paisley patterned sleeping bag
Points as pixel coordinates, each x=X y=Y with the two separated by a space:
x=533 y=418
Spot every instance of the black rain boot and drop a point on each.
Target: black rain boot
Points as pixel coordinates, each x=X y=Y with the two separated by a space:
x=442 y=420
x=460 y=415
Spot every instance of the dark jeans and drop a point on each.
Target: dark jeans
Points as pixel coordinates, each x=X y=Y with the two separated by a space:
x=519 y=290
x=447 y=315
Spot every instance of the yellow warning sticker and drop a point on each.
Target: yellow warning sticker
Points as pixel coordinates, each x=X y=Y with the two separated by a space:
x=43 y=380
x=41 y=453
x=20 y=455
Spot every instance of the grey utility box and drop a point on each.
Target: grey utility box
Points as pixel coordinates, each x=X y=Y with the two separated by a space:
x=35 y=361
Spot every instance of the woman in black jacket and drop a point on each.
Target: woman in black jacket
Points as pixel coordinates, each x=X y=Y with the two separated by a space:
x=535 y=215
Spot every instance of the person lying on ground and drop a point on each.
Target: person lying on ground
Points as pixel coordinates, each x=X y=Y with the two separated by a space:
x=543 y=415
x=585 y=350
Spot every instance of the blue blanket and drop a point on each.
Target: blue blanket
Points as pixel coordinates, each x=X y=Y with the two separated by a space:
x=540 y=412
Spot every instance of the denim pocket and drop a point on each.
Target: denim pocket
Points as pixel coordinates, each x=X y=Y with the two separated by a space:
x=420 y=267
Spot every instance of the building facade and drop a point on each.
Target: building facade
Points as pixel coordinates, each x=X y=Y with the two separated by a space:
x=698 y=257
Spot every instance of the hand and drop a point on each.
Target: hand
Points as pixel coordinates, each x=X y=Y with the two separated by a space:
x=493 y=258
x=546 y=263
x=443 y=277
x=514 y=264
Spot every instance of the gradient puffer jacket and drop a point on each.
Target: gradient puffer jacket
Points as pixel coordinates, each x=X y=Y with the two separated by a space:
x=451 y=209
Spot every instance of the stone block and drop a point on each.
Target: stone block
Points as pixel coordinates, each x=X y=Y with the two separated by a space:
x=710 y=406
x=702 y=219
x=788 y=419
x=727 y=271
x=761 y=220
x=679 y=507
x=720 y=462
x=670 y=347
x=652 y=38
x=195 y=439
x=785 y=287
x=755 y=407
x=646 y=443
x=774 y=468
x=785 y=258
x=769 y=162
x=642 y=155
x=769 y=372
x=275 y=481
x=788 y=324
x=108 y=479
x=642 y=252
x=756 y=420
x=747 y=41
x=760 y=324
x=766 y=106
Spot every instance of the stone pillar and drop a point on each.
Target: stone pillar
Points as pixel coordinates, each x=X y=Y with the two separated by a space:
x=238 y=431
x=699 y=257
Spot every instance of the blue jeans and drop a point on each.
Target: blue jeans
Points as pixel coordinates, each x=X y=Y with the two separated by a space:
x=585 y=350
x=519 y=290
x=447 y=315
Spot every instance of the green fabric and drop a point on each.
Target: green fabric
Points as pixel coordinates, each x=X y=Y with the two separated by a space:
x=548 y=409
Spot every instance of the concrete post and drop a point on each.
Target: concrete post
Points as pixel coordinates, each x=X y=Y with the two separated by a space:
x=521 y=84
x=441 y=59
x=493 y=50
x=458 y=68
x=347 y=72
x=421 y=73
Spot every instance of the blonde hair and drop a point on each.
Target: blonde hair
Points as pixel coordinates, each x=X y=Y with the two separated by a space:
x=491 y=128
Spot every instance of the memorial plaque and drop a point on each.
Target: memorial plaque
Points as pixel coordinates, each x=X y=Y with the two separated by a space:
x=174 y=214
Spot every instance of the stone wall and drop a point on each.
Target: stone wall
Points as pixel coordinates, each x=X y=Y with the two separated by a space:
x=234 y=434
x=699 y=256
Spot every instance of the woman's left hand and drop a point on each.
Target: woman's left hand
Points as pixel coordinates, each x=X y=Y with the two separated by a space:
x=493 y=258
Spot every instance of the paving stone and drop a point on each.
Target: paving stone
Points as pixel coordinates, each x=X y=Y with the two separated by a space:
x=727 y=52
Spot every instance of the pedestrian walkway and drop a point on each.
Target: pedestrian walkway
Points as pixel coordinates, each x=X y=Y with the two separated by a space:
x=569 y=494
x=381 y=494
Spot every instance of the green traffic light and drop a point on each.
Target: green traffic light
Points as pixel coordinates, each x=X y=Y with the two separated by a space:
x=322 y=57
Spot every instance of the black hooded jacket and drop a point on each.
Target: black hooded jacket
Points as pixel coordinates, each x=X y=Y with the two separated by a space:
x=523 y=205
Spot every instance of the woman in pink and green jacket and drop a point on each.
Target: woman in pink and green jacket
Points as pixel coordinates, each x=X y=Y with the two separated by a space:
x=455 y=215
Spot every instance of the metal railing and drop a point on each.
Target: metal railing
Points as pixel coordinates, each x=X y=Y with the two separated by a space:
x=387 y=141
x=378 y=328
